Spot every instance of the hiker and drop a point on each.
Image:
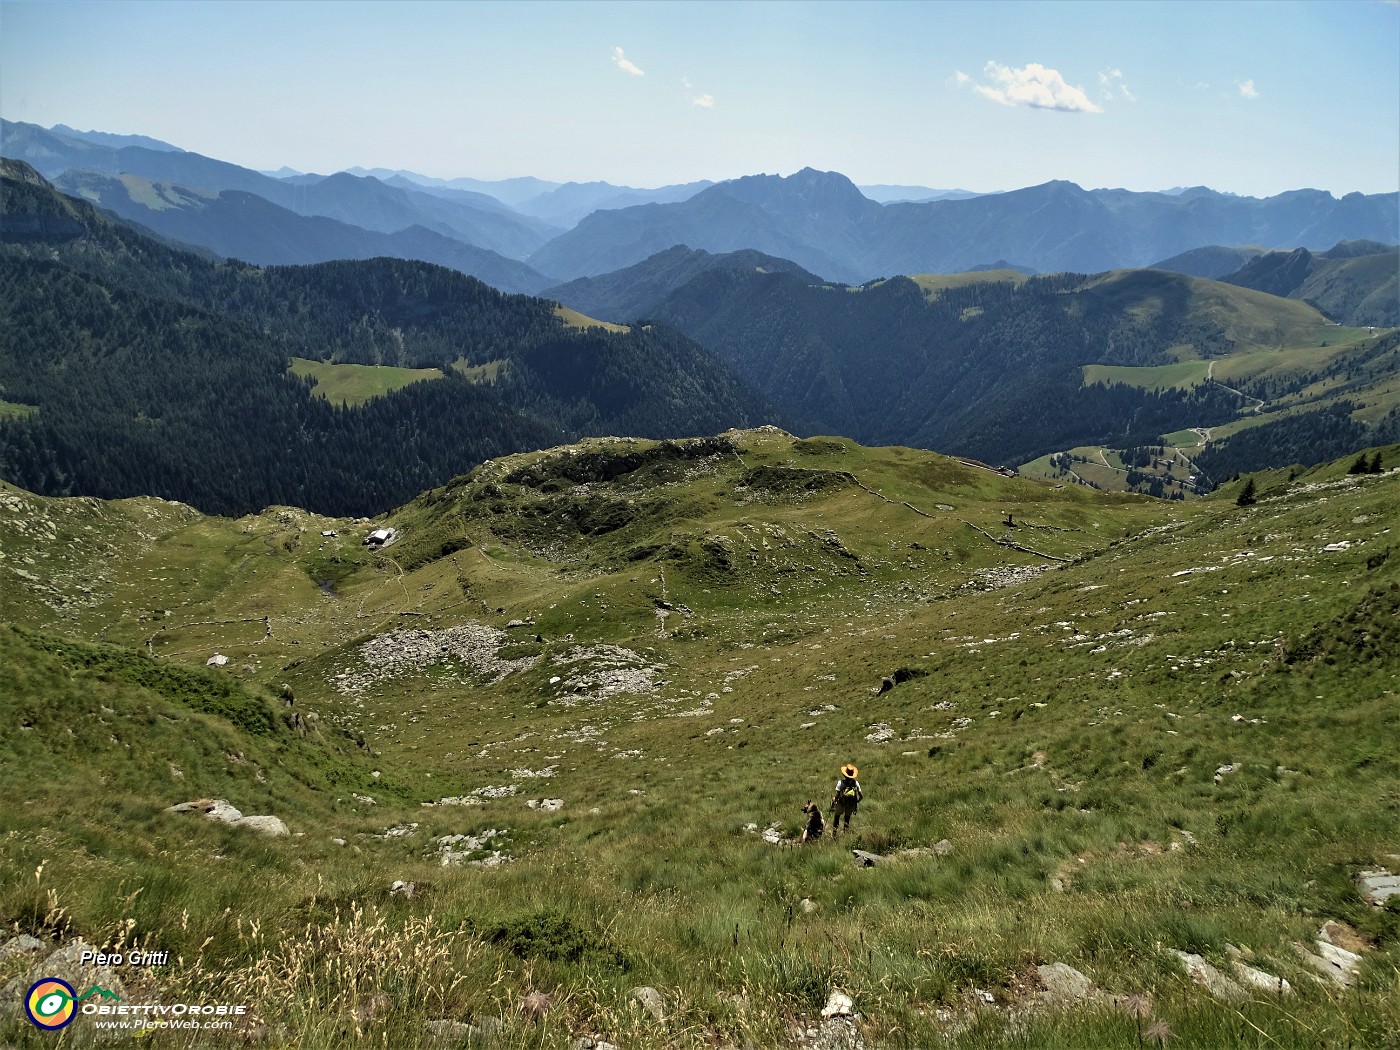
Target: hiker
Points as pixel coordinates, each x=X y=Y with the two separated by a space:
x=847 y=797
x=815 y=824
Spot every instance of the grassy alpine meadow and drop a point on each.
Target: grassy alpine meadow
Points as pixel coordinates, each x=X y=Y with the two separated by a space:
x=349 y=385
x=547 y=747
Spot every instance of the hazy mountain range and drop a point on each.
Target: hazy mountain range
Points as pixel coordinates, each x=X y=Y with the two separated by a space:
x=241 y=225
x=820 y=221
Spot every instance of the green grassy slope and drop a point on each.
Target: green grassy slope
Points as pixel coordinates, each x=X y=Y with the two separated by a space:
x=355 y=384
x=1248 y=320
x=701 y=630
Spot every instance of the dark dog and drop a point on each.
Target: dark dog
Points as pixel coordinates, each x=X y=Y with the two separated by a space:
x=815 y=823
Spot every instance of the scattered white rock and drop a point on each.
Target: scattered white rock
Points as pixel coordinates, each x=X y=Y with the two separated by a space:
x=454 y=850
x=399 y=653
x=1332 y=960
x=1211 y=979
x=533 y=774
x=217 y=660
x=838 y=1004
x=1378 y=886
x=1265 y=982
x=651 y=1000
x=478 y=796
x=598 y=672
x=879 y=733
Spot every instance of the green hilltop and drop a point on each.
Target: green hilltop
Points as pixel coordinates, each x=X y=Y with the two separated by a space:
x=569 y=702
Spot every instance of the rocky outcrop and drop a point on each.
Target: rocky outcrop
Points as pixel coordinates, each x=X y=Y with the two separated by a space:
x=651 y=1001
x=1378 y=886
x=267 y=825
x=1338 y=954
x=1212 y=980
x=400 y=653
x=62 y=963
x=226 y=813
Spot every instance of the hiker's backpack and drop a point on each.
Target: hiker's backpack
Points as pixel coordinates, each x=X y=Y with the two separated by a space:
x=849 y=792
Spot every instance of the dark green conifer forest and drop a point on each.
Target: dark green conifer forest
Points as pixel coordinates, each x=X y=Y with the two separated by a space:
x=155 y=371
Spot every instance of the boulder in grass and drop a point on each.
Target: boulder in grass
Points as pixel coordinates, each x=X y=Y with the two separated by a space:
x=652 y=1001
x=23 y=945
x=64 y=964
x=267 y=825
x=226 y=813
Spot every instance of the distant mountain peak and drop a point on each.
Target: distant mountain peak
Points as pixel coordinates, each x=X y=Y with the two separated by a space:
x=104 y=138
x=814 y=191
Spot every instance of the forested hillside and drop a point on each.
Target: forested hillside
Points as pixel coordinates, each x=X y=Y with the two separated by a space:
x=990 y=368
x=132 y=368
x=628 y=294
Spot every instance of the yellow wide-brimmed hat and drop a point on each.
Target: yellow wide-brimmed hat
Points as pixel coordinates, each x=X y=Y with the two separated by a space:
x=849 y=770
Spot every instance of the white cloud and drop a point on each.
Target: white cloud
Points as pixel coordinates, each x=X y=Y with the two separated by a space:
x=704 y=101
x=960 y=78
x=1113 y=78
x=1034 y=86
x=625 y=64
x=1248 y=90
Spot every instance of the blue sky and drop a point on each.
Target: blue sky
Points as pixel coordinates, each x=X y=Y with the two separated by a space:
x=1253 y=98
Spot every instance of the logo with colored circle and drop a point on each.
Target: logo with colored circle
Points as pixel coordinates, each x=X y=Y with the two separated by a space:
x=51 y=1004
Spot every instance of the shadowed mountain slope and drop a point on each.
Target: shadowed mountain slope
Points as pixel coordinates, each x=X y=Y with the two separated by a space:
x=128 y=367
x=988 y=364
x=634 y=292
x=1355 y=283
